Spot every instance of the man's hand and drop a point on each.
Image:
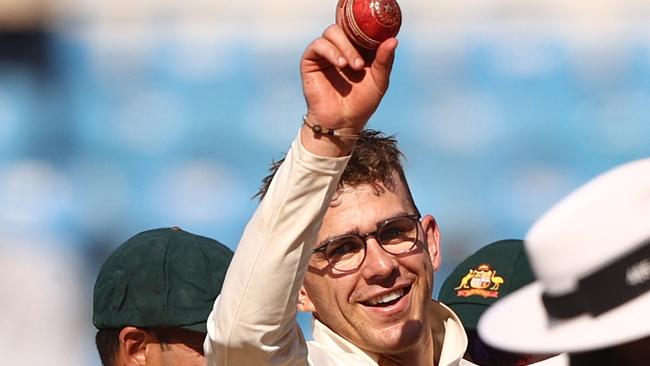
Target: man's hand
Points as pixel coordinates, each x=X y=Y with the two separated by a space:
x=341 y=89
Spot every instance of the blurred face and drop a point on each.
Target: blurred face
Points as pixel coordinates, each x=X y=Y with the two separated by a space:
x=176 y=347
x=383 y=306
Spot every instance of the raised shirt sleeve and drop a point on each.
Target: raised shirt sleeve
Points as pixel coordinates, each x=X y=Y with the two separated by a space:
x=253 y=322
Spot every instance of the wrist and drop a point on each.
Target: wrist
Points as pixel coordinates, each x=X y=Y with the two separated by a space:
x=324 y=141
x=342 y=133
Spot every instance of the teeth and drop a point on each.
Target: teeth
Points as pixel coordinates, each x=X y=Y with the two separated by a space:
x=387 y=297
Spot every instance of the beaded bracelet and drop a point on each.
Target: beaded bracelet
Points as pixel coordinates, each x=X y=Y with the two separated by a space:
x=320 y=130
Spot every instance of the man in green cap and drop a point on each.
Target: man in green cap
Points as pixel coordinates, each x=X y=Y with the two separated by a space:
x=480 y=280
x=153 y=296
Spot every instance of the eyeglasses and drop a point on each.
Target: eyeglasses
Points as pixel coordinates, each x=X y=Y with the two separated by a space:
x=397 y=235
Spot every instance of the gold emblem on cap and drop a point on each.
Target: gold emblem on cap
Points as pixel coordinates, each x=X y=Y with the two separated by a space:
x=482 y=281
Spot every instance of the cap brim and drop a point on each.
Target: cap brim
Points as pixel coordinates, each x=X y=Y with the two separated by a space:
x=519 y=323
x=200 y=327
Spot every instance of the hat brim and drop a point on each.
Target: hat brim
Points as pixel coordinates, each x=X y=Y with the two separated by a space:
x=519 y=323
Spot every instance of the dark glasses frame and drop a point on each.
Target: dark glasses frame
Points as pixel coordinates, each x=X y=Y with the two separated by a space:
x=363 y=238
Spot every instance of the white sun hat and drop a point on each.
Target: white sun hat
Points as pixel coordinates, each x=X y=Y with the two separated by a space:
x=591 y=256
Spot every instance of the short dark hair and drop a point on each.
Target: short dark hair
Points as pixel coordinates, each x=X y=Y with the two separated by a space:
x=374 y=160
x=107 y=342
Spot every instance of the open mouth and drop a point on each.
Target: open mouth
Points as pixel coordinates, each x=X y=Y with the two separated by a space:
x=388 y=299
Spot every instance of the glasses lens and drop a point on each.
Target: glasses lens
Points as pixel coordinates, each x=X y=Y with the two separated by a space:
x=345 y=253
x=398 y=235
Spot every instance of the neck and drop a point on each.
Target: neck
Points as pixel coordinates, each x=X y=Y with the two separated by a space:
x=421 y=354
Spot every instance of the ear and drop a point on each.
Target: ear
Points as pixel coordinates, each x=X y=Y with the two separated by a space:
x=133 y=346
x=304 y=301
x=432 y=240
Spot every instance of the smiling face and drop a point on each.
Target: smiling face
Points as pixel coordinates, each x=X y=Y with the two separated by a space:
x=383 y=306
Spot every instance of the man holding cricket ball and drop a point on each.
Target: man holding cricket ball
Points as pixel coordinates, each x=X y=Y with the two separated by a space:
x=337 y=234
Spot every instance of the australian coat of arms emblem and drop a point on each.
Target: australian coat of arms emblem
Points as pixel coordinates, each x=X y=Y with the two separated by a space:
x=481 y=281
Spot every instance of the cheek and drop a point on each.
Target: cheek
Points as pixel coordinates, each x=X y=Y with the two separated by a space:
x=418 y=263
x=200 y=361
x=179 y=354
x=327 y=293
x=421 y=266
x=154 y=355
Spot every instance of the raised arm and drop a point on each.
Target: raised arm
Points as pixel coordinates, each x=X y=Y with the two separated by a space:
x=342 y=91
x=253 y=321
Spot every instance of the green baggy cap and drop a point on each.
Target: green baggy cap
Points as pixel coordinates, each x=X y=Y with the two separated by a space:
x=160 y=278
x=486 y=276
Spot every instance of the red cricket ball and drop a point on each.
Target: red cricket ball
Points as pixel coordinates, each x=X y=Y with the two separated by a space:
x=367 y=23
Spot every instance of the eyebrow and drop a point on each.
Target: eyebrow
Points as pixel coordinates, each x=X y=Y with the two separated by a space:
x=355 y=231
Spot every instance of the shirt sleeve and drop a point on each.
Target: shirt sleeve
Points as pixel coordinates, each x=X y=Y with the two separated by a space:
x=253 y=322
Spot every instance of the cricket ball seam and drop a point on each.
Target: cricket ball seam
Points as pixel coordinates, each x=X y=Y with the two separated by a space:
x=364 y=40
x=391 y=21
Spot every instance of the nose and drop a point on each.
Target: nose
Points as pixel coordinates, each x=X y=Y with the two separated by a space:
x=379 y=264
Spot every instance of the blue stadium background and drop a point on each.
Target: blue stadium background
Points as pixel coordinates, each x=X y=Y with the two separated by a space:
x=117 y=120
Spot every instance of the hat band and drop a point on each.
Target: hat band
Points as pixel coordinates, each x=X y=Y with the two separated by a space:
x=619 y=282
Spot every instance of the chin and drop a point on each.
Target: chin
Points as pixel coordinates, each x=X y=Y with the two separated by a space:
x=398 y=338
